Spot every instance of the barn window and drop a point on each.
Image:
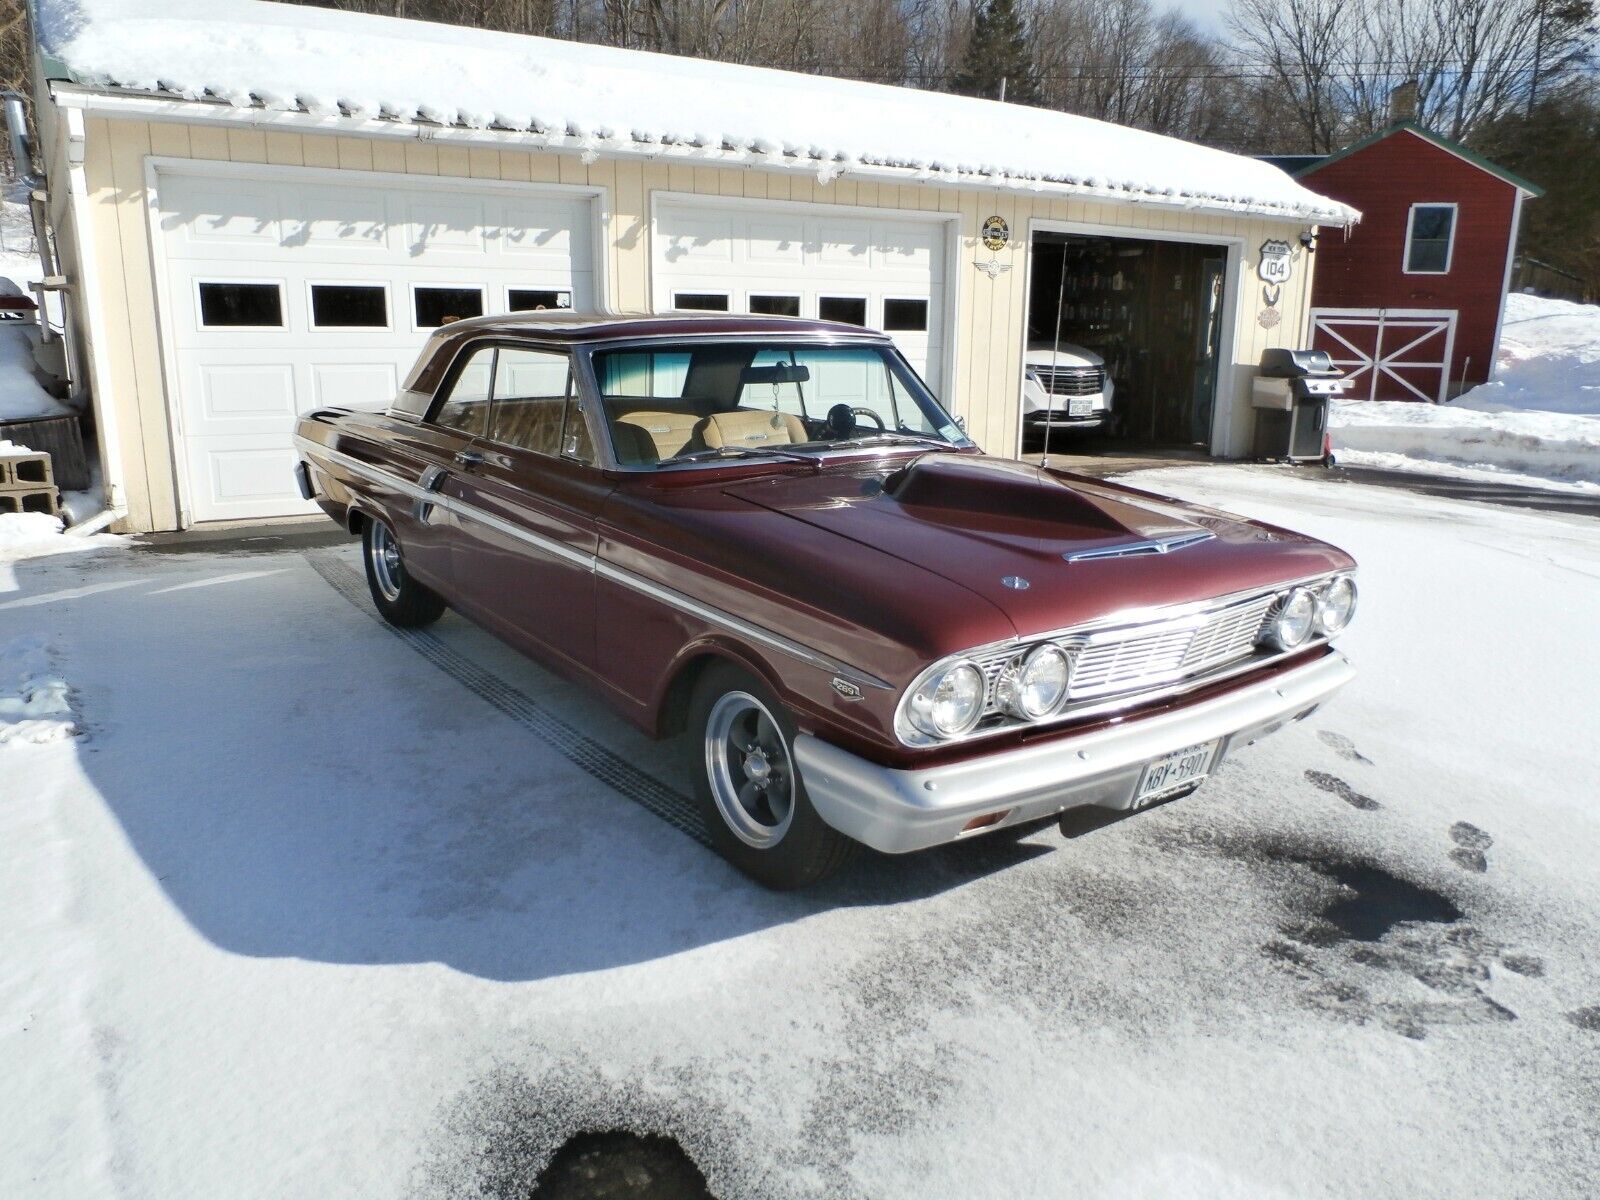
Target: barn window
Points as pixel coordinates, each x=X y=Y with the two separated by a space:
x=1430 y=238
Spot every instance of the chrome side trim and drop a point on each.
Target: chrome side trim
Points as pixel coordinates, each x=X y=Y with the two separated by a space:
x=738 y=625
x=1154 y=546
x=595 y=564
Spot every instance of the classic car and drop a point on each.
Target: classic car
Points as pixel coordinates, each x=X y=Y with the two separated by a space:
x=767 y=534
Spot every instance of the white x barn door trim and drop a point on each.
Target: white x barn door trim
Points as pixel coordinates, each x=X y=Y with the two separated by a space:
x=1389 y=353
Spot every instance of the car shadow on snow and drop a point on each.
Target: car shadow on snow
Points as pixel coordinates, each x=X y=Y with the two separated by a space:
x=301 y=784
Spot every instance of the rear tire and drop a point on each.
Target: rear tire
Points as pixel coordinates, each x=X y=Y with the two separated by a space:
x=400 y=599
x=750 y=794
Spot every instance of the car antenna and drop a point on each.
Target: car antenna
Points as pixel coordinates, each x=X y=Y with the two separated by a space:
x=1055 y=357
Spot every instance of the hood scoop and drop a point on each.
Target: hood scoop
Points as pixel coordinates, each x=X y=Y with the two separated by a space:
x=994 y=495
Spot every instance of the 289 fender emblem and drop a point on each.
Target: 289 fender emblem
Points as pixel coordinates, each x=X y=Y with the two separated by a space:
x=846 y=689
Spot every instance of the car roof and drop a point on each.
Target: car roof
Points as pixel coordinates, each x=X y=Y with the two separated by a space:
x=566 y=325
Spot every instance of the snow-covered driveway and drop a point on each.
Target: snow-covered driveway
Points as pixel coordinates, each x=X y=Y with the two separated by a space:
x=311 y=909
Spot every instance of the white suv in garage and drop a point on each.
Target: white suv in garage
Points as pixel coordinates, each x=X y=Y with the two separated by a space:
x=1065 y=386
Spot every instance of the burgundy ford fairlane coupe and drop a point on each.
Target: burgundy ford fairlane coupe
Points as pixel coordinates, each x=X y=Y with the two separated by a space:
x=767 y=532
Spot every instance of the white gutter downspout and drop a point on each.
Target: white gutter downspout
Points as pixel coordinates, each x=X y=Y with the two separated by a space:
x=108 y=431
x=1505 y=286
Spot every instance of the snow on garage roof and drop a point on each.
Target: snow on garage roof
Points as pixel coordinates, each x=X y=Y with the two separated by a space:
x=287 y=57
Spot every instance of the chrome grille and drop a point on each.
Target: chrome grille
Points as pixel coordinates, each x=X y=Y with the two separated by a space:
x=1133 y=660
x=1137 y=657
x=1071 y=381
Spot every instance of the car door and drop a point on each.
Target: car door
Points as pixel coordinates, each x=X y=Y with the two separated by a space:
x=436 y=453
x=526 y=555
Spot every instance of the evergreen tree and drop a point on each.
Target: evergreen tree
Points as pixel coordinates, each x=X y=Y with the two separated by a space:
x=999 y=48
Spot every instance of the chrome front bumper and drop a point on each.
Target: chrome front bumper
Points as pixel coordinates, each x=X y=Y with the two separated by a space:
x=896 y=811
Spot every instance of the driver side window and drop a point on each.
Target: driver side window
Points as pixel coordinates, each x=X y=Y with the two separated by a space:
x=466 y=404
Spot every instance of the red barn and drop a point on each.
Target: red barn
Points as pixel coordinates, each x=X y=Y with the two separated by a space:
x=1409 y=303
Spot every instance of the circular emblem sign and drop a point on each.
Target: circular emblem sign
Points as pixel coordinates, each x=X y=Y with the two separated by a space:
x=1268 y=318
x=996 y=233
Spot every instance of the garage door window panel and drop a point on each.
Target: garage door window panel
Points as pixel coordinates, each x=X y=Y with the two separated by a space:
x=535 y=404
x=1430 y=239
x=240 y=304
x=700 y=301
x=464 y=404
x=538 y=300
x=773 y=305
x=349 y=306
x=905 y=314
x=436 y=305
x=850 y=310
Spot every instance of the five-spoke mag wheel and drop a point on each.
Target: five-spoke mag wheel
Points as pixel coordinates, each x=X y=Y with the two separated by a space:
x=751 y=794
x=750 y=771
x=399 y=598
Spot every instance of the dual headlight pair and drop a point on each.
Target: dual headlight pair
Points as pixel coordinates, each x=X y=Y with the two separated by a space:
x=950 y=703
x=1324 y=609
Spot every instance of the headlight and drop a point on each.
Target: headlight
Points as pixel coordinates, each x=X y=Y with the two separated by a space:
x=1039 y=685
x=1336 y=604
x=1295 y=620
x=950 y=703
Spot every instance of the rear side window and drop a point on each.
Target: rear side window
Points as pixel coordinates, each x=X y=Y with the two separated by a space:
x=466 y=403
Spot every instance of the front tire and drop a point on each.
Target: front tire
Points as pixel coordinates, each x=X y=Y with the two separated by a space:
x=400 y=599
x=750 y=794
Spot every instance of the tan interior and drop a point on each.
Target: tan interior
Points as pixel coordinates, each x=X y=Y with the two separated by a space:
x=649 y=430
x=752 y=427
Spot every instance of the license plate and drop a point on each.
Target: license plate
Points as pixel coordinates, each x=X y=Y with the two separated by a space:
x=1080 y=408
x=1180 y=769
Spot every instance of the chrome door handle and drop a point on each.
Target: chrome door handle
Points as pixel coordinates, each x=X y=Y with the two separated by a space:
x=469 y=458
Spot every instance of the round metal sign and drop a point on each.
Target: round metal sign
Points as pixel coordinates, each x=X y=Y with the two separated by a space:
x=996 y=233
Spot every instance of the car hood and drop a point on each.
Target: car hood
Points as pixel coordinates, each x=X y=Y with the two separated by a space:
x=1066 y=355
x=1050 y=550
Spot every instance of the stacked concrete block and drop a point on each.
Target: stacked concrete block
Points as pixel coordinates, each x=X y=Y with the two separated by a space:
x=27 y=484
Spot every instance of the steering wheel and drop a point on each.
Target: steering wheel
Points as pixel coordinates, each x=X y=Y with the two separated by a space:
x=875 y=418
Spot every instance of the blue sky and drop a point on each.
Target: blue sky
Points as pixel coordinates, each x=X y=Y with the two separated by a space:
x=1205 y=13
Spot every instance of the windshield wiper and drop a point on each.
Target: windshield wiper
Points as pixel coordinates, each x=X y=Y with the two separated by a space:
x=736 y=452
x=887 y=437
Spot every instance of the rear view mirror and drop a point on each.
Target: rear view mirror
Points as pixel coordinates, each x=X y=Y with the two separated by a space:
x=775 y=374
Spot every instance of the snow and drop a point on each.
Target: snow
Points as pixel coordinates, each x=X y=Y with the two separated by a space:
x=21 y=397
x=287 y=57
x=1537 y=423
x=357 y=931
x=1549 y=359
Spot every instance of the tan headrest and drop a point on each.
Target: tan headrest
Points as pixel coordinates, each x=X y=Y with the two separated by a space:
x=753 y=428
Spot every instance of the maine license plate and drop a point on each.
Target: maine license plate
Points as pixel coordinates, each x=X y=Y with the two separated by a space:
x=1180 y=769
x=1080 y=408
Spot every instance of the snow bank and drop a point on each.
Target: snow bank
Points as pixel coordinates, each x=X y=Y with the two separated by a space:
x=1542 y=449
x=288 y=57
x=1549 y=360
x=21 y=397
x=1538 y=423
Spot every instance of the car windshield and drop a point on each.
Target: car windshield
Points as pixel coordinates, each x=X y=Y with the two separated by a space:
x=710 y=400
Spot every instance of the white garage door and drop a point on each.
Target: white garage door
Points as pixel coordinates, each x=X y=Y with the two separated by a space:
x=286 y=293
x=882 y=272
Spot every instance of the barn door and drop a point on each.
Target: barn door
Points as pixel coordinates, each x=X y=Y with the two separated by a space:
x=1388 y=354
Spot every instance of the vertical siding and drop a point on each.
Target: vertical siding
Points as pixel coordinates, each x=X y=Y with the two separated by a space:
x=991 y=314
